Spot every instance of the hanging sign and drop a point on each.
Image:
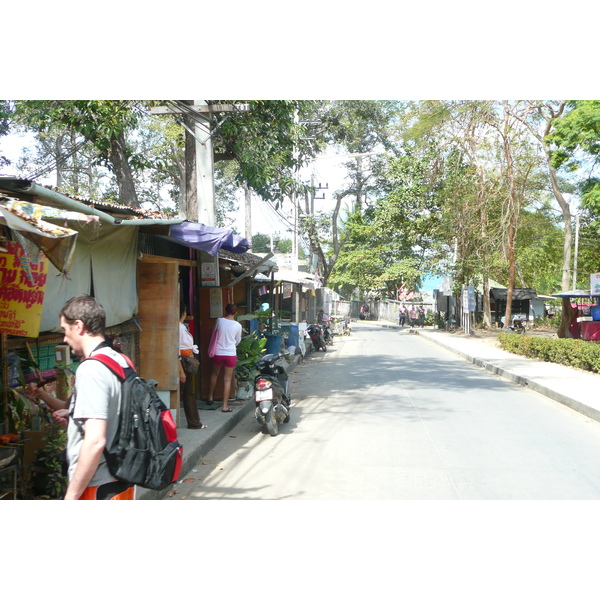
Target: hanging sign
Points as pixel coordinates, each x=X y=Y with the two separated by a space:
x=471 y=298
x=446 y=287
x=210 y=273
x=22 y=287
x=595 y=284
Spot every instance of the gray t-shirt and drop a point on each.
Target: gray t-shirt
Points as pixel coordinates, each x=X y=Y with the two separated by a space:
x=97 y=396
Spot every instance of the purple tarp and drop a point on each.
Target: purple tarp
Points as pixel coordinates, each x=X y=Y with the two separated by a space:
x=208 y=239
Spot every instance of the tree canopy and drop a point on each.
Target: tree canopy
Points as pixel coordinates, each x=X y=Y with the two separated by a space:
x=476 y=189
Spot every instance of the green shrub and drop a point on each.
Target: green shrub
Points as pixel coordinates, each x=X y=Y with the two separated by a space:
x=553 y=321
x=572 y=353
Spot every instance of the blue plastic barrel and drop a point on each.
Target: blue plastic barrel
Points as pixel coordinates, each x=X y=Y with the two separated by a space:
x=293 y=337
x=273 y=343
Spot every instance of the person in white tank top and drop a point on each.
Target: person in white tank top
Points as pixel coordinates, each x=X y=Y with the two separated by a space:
x=230 y=335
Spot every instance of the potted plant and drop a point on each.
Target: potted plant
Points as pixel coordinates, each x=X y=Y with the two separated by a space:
x=49 y=471
x=46 y=476
x=249 y=351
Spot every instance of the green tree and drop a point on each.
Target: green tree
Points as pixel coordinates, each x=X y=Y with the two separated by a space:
x=261 y=243
x=575 y=144
x=541 y=118
x=360 y=129
x=104 y=123
x=6 y=116
x=387 y=244
x=538 y=253
x=588 y=249
x=269 y=143
x=74 y=160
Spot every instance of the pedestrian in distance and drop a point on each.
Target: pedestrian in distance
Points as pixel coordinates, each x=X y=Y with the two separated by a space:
x=402 y=315
x=228 y=334
x=188 y=365
x=421 y=316
x=93 y=415
x=412 y=315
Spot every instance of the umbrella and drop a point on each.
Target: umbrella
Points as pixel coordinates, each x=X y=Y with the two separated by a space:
x=576 y=294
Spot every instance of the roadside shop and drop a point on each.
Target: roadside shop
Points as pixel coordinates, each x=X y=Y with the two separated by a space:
x=135 y=262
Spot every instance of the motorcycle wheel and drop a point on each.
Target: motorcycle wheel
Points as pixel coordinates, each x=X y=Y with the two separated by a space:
x=287 y=403
x=271 y=425
x=324 y=347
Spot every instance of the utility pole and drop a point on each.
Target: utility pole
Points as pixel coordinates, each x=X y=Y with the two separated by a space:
x=576 y=251
x=295 y=233
x=205 y=172
x=199 y=159
x=248 y=214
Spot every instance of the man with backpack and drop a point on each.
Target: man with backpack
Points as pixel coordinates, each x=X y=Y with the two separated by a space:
x=93 y=415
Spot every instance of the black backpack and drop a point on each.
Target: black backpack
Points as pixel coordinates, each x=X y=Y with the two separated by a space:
x=145 y=450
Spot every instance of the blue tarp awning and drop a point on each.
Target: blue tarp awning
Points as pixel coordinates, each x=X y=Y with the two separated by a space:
x=207 y=239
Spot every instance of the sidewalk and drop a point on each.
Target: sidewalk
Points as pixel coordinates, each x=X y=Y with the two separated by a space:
x=577 y=389
x=198 y=442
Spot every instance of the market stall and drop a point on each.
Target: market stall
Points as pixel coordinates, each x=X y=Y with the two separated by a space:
x=585 y=320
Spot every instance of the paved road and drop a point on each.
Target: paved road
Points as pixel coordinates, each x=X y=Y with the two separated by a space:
x=387 y=415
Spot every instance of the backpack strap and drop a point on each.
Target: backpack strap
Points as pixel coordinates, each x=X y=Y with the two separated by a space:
x=115 y=368
x=113 y=365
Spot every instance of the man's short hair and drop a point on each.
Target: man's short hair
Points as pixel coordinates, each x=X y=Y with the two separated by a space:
x=87 y=310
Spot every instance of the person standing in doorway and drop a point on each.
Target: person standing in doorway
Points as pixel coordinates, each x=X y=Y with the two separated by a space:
x=229 y=336
x=188 y=365
x=92 y=418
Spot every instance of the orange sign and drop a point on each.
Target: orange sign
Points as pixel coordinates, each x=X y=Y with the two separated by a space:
x=22 y=287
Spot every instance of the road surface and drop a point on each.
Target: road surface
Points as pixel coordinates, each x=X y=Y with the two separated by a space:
x=385 y=415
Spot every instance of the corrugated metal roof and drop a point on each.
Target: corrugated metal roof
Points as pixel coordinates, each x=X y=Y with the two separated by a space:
x=13 y=184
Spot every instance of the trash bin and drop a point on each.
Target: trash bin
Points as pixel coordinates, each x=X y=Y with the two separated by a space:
x=273 y=343
x=292 y=335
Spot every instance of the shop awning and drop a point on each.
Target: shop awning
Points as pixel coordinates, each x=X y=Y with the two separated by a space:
x=518 y=293
x=575 y=294
x=187 y=233
x=290 y=276
x=57 y=243
x=207 y=239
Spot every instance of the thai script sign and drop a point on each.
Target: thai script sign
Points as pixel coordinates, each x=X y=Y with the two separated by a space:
x=22 y=287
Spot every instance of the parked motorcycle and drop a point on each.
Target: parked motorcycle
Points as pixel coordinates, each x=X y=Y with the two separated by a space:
x=271 y=394
x=518 y=325
x=346 y=326
x=327 y=332
x=341 y=326
x=315 y=333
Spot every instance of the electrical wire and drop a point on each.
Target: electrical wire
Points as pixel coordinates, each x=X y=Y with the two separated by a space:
x=55 y=163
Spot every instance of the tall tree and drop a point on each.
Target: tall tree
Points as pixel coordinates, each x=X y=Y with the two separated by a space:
x=268 y=142
x=104 y=123
x=387 y=244
x=361 y=129
x=575 y=144
x=540 y=119
x=6 y=115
